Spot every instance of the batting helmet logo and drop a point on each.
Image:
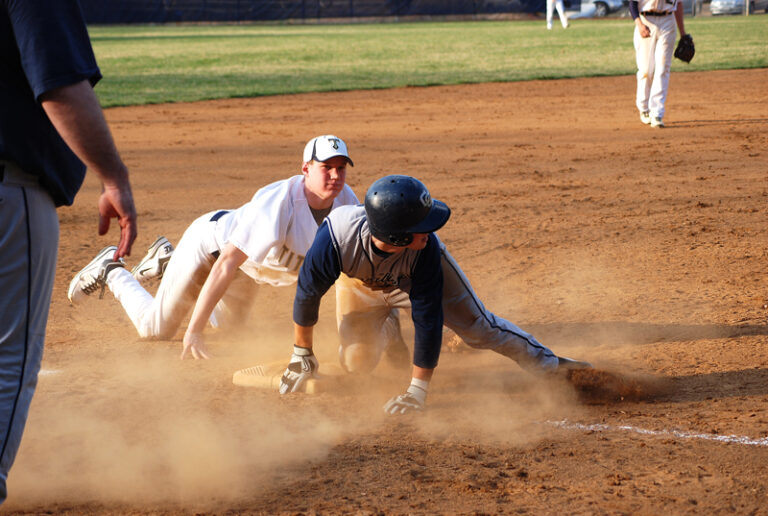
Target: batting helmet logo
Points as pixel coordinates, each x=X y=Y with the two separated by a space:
x=426 y=199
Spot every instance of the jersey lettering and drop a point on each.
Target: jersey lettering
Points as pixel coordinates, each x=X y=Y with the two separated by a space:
x=386 y=282
x=289 y=259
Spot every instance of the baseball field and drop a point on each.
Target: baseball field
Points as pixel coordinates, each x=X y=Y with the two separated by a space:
x=643 y=251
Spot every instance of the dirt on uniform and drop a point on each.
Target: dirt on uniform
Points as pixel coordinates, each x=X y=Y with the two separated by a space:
x=640 y=250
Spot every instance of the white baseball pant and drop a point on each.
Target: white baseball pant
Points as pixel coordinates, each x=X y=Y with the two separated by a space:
x=551 y=6
x=654 y=61
x=160 y=316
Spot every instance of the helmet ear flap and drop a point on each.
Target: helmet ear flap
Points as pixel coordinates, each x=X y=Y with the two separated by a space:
x=391 y=238
x=399 y=239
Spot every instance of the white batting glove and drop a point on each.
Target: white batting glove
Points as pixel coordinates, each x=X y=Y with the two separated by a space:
x=194 y=344
x=302 y=367
x=401 y=404
x=413 y=399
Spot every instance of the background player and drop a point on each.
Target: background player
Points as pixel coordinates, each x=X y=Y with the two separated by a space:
x=389 y=248
x=556 y=4
x=654 y=40
x=51 y=128
x=265 y=239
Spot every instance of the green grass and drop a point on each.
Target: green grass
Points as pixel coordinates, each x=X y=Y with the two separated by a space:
x=152 y=64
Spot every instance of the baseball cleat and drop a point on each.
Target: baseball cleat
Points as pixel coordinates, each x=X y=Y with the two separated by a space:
x=154 y=263
x=645 y=117
x=657 y=122
x=568 y=364
x=93 y=276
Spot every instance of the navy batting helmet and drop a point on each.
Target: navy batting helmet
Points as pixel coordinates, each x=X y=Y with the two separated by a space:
x=399 y=206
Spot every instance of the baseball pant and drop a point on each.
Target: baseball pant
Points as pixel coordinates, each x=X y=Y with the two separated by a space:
x=654 y=61
x=191 y=262
x=29 y=238
x=368 y=323
x=551 y=6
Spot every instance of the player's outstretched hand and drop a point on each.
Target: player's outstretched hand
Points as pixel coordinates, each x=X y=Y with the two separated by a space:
x=302 y=367
x=403 y=404
x=194 y=344
x=117 y=202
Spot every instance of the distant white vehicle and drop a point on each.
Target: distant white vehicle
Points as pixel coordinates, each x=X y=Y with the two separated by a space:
x=598 y=8
x=717 y=7
x=593 y=8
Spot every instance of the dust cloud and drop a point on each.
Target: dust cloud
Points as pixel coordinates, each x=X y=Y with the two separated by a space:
x=145 y=428
x=132 y=424
x=482 y=397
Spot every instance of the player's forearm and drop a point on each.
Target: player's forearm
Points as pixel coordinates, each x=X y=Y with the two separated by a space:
x=679 y=19
x=217 y=283
x=428 y=332
x=76 y=114
x=422 y=373
x=303 y=335
x=306 y=310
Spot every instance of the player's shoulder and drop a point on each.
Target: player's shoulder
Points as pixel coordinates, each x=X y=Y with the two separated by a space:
x=344 y=221
x=273 y=201
x=348 y=212
x=279 y=190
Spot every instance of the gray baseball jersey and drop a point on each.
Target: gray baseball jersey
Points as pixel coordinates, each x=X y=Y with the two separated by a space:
x=429 y=282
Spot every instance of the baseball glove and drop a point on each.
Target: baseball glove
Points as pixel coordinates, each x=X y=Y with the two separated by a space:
x=685 y=49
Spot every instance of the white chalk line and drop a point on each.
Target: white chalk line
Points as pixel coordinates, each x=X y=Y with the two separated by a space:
x=729 y=439
x=48 y=372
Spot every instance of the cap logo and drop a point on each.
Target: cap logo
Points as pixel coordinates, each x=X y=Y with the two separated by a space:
x=334 y=142
x=425 y=199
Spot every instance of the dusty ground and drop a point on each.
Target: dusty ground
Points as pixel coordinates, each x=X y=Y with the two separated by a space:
x=643 y=251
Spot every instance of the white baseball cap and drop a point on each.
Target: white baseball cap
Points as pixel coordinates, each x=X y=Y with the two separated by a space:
x=323 y=148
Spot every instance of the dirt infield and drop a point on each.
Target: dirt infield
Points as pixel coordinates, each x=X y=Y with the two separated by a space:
x=641 y=250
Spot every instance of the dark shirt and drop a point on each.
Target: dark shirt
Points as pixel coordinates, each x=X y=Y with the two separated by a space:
x=321 y=268
x=44 y=45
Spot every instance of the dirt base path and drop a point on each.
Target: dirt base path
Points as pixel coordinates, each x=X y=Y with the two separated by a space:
x=641 y=250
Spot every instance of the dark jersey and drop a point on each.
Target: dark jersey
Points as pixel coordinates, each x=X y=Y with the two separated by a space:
x=44 y=45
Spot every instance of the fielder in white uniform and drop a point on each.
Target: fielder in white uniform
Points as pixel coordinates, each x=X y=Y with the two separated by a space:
x=389 y=257
x=654 y=40
x=264 y=240
x=551 y=6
